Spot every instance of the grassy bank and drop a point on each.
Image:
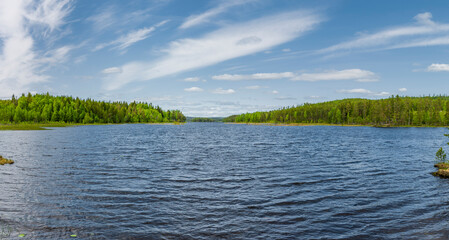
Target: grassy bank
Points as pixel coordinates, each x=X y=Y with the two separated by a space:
x=329 y=124
x=32 y=126
x=45 y=126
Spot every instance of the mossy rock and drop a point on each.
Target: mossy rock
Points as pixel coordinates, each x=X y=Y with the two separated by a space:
x=444 y=173
x=442 y=165
x=4 y=161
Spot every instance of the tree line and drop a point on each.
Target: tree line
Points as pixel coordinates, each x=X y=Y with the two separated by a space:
x=201 y=119
x=42 y=108
x=393 y=111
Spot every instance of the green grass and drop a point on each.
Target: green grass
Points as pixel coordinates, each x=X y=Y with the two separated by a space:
x=337 y=124
x=32 y=126
x=45 y=126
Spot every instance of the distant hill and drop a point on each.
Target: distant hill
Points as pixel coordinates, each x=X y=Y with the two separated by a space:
x=393 y=111
x=204 y=119
x=41 y=108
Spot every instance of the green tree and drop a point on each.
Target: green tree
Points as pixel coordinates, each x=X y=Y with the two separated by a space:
x=440 y=156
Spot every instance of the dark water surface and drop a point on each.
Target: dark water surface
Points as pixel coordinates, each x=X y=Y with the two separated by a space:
x=219 y=181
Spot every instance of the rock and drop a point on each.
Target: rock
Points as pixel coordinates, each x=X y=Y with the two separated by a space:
x=444 y=173
x=4 y=161
x=442 y=165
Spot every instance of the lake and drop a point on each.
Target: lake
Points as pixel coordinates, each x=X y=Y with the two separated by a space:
x=223 y=181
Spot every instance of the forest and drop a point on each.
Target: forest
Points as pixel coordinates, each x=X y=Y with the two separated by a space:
x=43 y=108
x=201 y=119
x=393 y=111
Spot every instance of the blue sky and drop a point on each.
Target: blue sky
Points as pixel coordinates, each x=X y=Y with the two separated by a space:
x=217 y=58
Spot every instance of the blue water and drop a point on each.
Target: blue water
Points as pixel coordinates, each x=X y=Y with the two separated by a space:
x=222 y=181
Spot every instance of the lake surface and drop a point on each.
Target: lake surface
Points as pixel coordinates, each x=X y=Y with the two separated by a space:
x=223 y=181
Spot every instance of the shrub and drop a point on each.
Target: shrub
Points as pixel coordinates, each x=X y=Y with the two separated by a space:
x=440 y=156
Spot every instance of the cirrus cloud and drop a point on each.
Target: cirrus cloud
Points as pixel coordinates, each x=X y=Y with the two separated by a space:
x=358 y=75
x=217 y=46
x=130 y=38
x=205 y=17
x=20 y=20
x=423 y=32
x=255 y=76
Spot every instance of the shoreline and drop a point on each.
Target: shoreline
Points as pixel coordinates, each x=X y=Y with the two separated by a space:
x=335 y=125
x=46 y=126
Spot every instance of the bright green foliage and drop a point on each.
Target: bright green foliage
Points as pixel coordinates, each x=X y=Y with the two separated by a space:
x=42 y=108
x=440 y=156
x=447 y=135
x=199 y=119
x=393 y=111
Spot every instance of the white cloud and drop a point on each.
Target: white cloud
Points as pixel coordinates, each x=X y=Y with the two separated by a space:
x=20 y=63
x=285 y=98
x=423 y=42
x=223 y=91
x=313 y=97
x=192 y=79
x=381 y=94
x=111 y=70
x=438 y=67
x=424 y=18
x=50 y=13
x=129 y=39
x=399 y=37
x=205 y=17
x=110 y=16
x=358 y=75
x=256 y=76
x=80 y=59
x=255 y=87
x=218 y=46
x=275 y=92
x=193 y=89
x=218 y=108
x=356 y=90
x=363 y=91
x=348 y=74
x=104 y=19
x=402 y=89
x=133 y=37
x=286 y=50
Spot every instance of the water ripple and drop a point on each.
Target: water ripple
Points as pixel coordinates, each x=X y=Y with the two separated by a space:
x=217 y=181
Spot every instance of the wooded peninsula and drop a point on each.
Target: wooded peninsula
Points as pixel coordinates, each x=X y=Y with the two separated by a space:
x=393 y=111
x=44 y=108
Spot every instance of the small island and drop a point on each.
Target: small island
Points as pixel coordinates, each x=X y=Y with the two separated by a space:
x=443 y=170
x=442 y=163
x=4 y=161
